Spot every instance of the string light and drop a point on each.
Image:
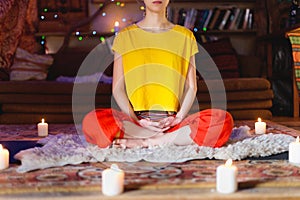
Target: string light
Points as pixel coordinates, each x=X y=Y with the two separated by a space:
x=102 y=39
x=82 y=36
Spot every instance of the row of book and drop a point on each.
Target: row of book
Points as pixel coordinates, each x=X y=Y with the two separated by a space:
x=218 y=18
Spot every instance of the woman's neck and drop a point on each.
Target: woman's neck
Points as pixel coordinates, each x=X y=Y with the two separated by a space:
x=155 y=22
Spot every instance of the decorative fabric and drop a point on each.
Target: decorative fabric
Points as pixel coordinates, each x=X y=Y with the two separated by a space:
x=5 y=6
x=28 y=40
x=12 y=24
x=254 y=177
x=294 y=37
x=29 y=66
x=224 y=56
x=155 y=65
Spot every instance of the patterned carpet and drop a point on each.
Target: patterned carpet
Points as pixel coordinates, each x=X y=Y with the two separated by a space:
x=144 y=175
x=140 y=175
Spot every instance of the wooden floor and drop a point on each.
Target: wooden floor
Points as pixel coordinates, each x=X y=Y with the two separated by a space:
x=286 y=193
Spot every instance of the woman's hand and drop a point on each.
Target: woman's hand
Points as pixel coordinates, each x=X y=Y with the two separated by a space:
x=170 y=121
x=152 y=125
x=161 y=125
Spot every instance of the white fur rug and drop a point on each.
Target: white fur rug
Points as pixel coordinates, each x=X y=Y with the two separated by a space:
x=63 y=149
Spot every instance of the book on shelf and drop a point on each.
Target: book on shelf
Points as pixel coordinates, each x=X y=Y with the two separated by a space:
x=239 y=20
x=250 y=21
x=214 y=18
x=236 y=13
x=191 y=18
x=201 y=18
x=225 y=19
x=209 y=15
x=218 y=18
x=246 y=18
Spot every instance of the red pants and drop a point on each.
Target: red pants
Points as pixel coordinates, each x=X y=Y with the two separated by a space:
x=211 y=127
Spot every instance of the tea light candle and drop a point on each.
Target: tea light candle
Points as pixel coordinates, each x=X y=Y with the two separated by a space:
x=116 y=27
x=260 y=127
x=113 y=181
x=42 y=128
x=4 y=158
x=294 y=152
x=226 y=178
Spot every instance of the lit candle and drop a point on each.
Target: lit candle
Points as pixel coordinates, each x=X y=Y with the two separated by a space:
x=294 y=152
x=226 y=178
x=42 y=128
x=260 y=127
x=4 y=158
x=113 y=181
x=116 y=27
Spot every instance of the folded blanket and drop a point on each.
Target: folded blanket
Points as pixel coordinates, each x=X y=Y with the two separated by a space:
x=94 y=78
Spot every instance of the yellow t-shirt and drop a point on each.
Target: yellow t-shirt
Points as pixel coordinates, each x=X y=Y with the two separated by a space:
x=155 y=65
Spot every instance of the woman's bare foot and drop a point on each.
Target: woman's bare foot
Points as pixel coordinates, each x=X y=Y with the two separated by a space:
x=178 y=137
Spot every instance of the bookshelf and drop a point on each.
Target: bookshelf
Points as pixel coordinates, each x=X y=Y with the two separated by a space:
x=214 y=19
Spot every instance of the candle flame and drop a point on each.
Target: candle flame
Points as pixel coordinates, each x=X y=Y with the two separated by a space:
x=228 y=163
x=43 y=120
x=297 y=140
x=117 y=23
x=259 y=119
x=1 y=148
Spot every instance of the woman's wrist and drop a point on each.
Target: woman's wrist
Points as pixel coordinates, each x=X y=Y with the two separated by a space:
x=179 y=116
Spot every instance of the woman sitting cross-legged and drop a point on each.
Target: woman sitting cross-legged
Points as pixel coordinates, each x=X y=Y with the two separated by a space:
x=154 y=85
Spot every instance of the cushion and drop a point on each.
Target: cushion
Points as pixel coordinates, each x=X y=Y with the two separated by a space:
x=224 y=56
x=29 y=66
x=79 y=61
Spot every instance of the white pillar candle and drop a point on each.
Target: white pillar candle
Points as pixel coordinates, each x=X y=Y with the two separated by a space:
x=294 y=152
x=260 y=127
x=4 y=158
x=113 y=181
x=226 y=178
x=42 y=128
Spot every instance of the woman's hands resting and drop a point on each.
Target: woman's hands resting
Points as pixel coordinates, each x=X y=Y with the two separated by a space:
x=161 y=125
